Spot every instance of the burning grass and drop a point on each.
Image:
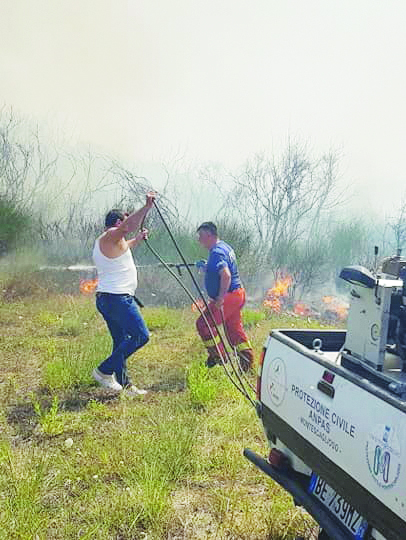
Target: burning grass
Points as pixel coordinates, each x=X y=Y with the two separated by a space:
x=76 y=461
x=88 y=286
x=280 y=299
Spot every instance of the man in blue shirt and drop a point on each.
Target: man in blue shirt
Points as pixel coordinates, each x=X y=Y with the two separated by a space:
x=227 y=297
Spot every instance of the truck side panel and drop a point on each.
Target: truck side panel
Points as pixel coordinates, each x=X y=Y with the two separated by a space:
x=351 y=439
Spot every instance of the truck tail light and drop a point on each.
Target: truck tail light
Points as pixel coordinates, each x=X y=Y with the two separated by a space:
x=278 y=459
x=261 y=361
x=328 y=377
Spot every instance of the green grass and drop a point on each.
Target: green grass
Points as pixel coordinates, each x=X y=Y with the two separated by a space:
x=253 y=317
x=201 y=384
x=77 y=462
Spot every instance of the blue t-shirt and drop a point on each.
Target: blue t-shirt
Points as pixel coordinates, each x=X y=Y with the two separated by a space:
x=221 y=256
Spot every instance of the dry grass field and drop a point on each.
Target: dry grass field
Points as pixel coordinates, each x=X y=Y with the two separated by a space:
x=78 y=462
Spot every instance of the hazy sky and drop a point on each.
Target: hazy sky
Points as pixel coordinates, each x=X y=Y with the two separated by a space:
x=216 y=80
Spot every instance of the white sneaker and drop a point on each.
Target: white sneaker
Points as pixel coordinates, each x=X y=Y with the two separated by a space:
x=134 y=391
x=108 y=381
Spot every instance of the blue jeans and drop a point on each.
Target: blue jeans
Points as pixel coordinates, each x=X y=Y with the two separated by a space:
x=127 y=329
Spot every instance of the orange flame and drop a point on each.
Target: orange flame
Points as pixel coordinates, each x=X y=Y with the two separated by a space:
x=88 y=286
x=273 y=303
x=336 y=307
x=276 y=300
x=198 y=303
x=278 y=291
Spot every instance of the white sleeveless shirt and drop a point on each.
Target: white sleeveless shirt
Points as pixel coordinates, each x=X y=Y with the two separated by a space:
x=117 y=275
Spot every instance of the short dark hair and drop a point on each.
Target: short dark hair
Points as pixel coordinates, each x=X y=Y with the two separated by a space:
x=112 y=217
x=208 y=226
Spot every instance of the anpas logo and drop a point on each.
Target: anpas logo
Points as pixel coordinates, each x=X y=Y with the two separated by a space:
x=383 y=455
x=277 y=381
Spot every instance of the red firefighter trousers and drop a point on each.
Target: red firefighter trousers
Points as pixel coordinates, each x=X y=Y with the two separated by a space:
x=233 y=303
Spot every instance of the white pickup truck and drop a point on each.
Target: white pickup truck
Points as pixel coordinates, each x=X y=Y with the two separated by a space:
x=333 y=407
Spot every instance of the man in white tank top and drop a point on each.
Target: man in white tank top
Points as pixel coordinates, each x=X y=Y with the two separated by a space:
x=117 y=281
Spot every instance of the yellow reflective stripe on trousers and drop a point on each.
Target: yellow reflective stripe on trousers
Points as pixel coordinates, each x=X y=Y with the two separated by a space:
x=210 y=342
x=243 y=346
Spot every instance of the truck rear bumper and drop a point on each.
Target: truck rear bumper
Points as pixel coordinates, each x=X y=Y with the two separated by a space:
x=294 y=484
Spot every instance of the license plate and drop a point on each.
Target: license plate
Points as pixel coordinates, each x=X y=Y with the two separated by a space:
x=343 y=511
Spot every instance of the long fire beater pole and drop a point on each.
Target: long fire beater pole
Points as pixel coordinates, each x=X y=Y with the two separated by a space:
x=206 y=305
x=241 y=388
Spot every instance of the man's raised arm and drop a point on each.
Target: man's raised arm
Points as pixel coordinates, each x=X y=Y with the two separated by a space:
x=134 y=221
